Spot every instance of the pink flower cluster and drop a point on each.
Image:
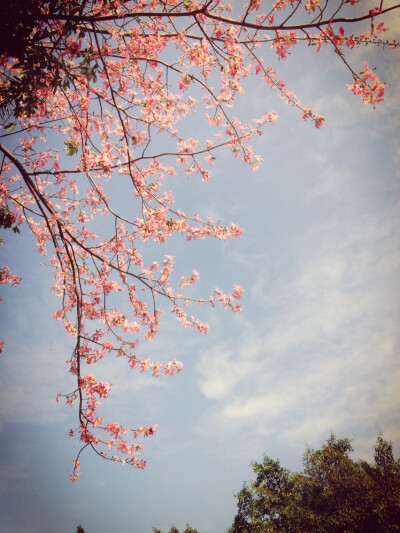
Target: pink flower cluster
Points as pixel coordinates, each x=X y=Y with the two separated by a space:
x=368 y=86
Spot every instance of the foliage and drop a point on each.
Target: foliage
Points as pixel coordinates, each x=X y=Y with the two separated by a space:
x=25 y=37
x=86 y=89
x=332 y=494
x=174 y=529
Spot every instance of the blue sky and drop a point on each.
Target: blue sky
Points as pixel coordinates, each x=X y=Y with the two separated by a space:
x=315 y=350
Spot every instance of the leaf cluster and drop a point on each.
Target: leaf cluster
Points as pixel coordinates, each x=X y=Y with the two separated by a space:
x=7 y=219
x=33 y=47
x=174 y=529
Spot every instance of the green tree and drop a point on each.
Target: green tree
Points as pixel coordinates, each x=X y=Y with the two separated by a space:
x=336 y=491
x=332 y=494
x=262 y=504
x=385 y=476
x=174 y=529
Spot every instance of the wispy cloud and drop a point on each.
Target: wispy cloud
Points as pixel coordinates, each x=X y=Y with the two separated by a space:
x=324 y=355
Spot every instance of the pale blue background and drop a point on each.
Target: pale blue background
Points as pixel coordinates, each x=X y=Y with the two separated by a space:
x=316 y=348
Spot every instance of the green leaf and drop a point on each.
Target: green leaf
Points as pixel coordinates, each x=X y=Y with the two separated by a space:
x=71 y=147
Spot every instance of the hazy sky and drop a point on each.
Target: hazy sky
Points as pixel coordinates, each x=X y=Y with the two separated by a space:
x=315 y=350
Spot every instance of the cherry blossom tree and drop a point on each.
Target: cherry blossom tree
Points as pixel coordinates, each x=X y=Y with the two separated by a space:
x=87 y=88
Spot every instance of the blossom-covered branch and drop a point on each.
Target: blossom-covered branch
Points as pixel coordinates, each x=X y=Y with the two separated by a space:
x=102 y=80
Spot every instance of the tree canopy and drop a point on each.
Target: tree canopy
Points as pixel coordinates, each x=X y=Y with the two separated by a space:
x=174 y=529
x=87 y=90
x=332 y=494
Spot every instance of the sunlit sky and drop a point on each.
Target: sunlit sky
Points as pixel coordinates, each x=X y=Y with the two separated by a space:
x=315 y=350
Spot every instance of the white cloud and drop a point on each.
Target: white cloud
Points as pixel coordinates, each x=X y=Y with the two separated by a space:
x=325 y=354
